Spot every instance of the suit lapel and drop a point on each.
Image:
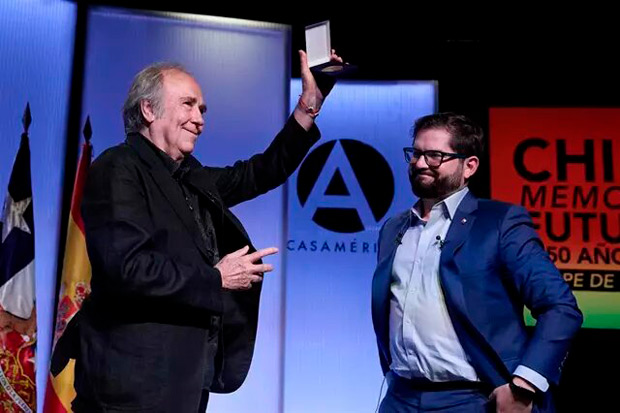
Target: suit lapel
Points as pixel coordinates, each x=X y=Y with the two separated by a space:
x=482 y=356
x=169 y=188
x=462 y=224
x=198 y=178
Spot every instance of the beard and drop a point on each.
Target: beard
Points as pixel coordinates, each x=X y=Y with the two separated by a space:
x=438 y=187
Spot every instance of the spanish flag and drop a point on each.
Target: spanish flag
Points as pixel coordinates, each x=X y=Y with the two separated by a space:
x=74 y=288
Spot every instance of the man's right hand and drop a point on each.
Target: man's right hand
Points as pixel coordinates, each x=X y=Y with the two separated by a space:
x=239 y=271
x=313 y=93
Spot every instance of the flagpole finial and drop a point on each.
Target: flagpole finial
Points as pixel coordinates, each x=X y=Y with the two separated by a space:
x=27 y=118
x=87 y=131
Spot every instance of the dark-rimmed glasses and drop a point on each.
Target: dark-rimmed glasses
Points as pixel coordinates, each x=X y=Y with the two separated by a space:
x=433 y=159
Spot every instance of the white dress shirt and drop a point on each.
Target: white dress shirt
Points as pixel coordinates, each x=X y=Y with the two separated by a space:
x=423 y=343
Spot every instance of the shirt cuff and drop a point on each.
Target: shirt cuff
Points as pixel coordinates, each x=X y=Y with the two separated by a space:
x=533 y=377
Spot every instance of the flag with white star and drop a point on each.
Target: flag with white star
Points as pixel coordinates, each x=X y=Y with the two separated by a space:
x=17 y=293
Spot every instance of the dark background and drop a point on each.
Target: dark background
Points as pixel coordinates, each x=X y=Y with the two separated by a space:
x=521 y=57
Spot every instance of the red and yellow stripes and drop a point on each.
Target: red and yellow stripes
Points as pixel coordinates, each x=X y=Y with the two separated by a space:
x=74 y=288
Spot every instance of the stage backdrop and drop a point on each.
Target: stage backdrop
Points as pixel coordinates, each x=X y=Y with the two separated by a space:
x=243 y=68
x=36 y=48
x=353 y=180
x=562 y=164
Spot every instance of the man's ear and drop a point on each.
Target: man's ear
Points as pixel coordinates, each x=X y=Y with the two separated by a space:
x=148 y=113
x=471 y=166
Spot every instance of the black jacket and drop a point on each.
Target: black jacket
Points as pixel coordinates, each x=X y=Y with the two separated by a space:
x=157 y=323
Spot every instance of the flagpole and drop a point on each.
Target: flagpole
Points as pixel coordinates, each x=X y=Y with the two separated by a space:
x=27 y=118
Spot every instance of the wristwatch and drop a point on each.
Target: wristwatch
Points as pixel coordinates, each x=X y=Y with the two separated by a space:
x=522 y=394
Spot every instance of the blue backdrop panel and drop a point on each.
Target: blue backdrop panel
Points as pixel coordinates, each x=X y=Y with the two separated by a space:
x=36 y=50
x=353 y=180
x=243 y=69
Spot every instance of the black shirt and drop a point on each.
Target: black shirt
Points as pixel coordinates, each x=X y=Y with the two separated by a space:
x=178 y=171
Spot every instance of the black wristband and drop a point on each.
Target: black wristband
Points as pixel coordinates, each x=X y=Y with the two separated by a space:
x=521 y=393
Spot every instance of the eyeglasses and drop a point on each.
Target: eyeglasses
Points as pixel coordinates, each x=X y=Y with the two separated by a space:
x=433 y=158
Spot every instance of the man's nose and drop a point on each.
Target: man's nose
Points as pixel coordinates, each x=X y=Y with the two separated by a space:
x=198 y=117
x=419 y=163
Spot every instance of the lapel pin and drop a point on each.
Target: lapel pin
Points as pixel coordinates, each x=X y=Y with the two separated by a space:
x=464 y=220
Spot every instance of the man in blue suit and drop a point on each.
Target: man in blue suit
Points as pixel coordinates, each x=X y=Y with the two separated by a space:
x=453 y=276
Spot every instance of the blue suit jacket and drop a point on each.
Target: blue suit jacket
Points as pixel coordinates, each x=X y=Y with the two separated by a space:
x=492 y=265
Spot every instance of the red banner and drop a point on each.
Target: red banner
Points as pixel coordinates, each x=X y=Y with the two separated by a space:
x=563 y=165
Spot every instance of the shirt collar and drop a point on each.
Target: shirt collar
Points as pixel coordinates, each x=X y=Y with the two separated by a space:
x=176 y=169
x=448 y=205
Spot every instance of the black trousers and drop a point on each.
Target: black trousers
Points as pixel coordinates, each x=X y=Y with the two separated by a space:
x=204 y=400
